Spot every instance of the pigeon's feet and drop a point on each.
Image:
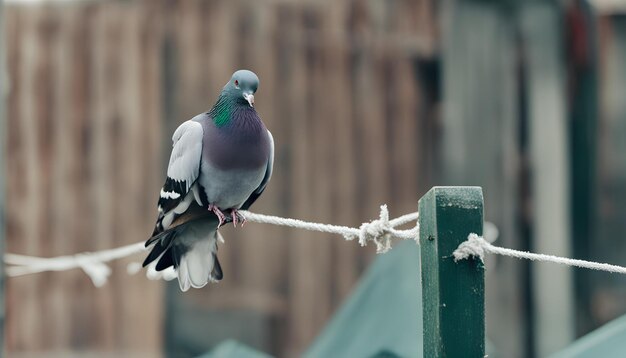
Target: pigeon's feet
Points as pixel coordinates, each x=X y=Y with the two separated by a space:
x=237 y=217
x=220 y=215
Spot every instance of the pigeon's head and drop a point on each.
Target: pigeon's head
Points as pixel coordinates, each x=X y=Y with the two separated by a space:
x=242 y=85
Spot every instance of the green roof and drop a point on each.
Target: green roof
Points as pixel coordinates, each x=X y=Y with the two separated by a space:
x=607 y=341
x=383 y=316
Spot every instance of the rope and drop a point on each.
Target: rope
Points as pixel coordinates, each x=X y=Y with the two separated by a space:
x=477 y=246
x=380 y=232
x=92 y=263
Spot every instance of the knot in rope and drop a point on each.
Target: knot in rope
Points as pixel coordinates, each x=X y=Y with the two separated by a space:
x=379 y=231
x=474 y=246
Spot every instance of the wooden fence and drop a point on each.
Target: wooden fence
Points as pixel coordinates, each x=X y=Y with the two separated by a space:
x=97 y=88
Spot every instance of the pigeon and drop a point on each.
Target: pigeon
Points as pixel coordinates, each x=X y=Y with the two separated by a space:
x=221 y=162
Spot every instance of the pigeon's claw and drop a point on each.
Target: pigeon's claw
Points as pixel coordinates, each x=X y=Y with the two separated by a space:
x=220 y=215
x=237 y=217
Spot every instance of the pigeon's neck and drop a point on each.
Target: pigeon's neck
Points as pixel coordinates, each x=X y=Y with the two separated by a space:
x=229 y=106
x=222 y=111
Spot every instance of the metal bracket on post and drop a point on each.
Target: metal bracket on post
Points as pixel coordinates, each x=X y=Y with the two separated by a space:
x=453 y=293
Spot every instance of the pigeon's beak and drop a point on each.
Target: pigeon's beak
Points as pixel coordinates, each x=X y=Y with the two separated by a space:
x=249 y=97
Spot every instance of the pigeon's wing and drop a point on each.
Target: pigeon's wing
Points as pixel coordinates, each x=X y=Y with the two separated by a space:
x=184 y=165
x=182 y=173
x=268 y=174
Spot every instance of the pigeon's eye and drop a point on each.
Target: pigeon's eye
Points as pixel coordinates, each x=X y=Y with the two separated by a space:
x=237 y=83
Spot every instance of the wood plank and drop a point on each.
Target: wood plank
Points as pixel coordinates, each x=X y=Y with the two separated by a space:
x=47 y=30
x=103 y=110
x=81 y=89
x=138 y=329
x=152 y=315
x=302 y=272
x=62 y=200
x=339 y=98
x=401 y=103
x=552 y=286
x=3 y=133
x=320 y=154
x=369 y=116
x=15 y=188
x=26 y=331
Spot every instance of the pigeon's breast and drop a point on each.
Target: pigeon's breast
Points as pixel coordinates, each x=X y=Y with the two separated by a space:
x=234 y=161
x=243 y=144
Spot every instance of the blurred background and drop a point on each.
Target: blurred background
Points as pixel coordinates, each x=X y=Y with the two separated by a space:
x=369 y=102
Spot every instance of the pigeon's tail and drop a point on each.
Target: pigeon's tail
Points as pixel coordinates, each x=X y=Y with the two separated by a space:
x=192 y=250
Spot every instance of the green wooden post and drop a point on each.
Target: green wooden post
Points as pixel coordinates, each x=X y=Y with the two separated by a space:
x=453 y=293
